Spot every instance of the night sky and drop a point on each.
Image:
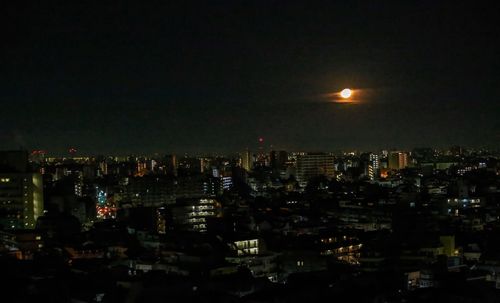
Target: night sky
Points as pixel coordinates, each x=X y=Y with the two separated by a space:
x=217 y=76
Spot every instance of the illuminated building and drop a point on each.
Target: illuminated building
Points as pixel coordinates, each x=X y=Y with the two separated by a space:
x=21 y=192
x=197 y=185
x=250 y=252
x=78 y=184
x=103 y=168
x=225 y=180
x=161 y=224
x=141 y=169
x=246 y=246
x=312 y=165
x=374 y=167
x=262 y=159
x=398 y=160
x=192 y=214
x=21 y=200
x=344 y=247
x=247 y=160
x=153 y=164
x=457 y=205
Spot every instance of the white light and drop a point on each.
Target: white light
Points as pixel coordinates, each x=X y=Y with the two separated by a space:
x=346 y=93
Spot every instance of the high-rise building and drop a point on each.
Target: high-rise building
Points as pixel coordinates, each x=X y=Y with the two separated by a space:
x=373 y=167
x=312 y=165
x=197 y=185
x=247 y=160
x=21 y=192
x=149 y=191
x=192 y=214
x=398 y=160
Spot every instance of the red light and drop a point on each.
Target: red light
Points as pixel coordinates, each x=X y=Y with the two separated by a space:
x=38 y=152
x=261 y=139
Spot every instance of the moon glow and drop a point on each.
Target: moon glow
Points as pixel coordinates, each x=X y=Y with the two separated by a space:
x=346 y=93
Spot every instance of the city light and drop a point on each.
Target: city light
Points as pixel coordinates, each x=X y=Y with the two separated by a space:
x=269 y=151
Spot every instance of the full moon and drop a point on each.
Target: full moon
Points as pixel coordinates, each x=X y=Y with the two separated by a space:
x=346 y=93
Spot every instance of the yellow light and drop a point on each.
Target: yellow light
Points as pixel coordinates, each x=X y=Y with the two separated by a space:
x=346 y=93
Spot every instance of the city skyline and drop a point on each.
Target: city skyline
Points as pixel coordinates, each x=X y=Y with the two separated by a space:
x=73 y=153
x=250 y=151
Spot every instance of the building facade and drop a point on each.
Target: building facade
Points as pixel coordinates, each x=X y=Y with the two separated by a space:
x=21 y=200
x=312 y=165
